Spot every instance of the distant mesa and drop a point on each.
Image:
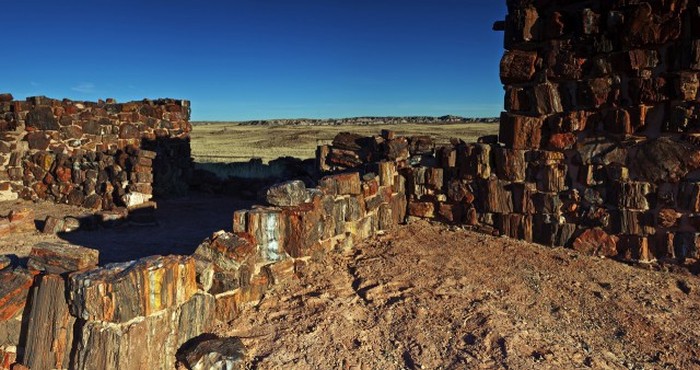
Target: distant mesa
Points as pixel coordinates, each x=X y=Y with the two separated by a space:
x=360 y=121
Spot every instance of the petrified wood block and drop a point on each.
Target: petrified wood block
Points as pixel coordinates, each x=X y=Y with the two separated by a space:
x=596 y=242
x=121 y=292
x=131 y=345
x=633 y=195
x=226 y=250
x=266 y=227
x=50 y=325
x=635 y=247
x=287 y=194
x=510 y=164
x=520 y=132
x=495 y=197
x=14 y=288
x=59 y=258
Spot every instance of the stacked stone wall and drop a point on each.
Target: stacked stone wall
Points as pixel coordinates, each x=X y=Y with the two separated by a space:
x=97 y=155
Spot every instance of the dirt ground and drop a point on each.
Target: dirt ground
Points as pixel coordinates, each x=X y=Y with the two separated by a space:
x=427 y=297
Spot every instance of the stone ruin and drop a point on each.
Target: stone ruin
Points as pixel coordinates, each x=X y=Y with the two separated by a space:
x=94 y=155
x=597 y=151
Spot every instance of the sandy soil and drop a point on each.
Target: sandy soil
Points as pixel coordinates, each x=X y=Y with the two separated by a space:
x=425 y=296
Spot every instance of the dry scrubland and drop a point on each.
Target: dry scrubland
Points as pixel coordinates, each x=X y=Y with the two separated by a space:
x=231 y=142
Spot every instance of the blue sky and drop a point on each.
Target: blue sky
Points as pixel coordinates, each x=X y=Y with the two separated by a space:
x=259 y=59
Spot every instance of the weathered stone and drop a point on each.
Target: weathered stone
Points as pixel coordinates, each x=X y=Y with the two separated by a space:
x=5 y=262
x=59 y=258
x=421 y=209
x=304 y=227
x=495 y=198
x=518 y=66
x=596 y=242
x=266 y=227
x=633 y=195
x=634 y=247
x=397 y=149
x=348 y=183
x=71 y=132
x=547 y=99
x=8 y=355
x=520 y=132
x=214 y=353
x=631 y=222
x=668 y=218
x=50 y=326
x=109 y=346
x=286 y=194
x=38 y=140
x=662 y=160
x=515 y=226
x=460 y=191
x=510 y=164
x=689 y=196
x=129 y=131
x=42 y=118
x=122 y=292
x=421 y=145
x=227 y=251
x=14 y=288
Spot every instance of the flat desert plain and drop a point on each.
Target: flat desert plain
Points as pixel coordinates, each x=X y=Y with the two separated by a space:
x=232 y=142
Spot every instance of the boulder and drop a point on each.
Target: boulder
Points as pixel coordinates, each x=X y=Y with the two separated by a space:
x=596 y=242
x=287 y=194
x=212 y=352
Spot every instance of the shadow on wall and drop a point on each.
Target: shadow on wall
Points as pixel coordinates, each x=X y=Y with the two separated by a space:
x=247 y=179
x=172 y=167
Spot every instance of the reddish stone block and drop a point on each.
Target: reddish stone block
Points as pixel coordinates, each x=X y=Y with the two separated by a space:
x=518 y=66
x=121 y=292
x=520 y=132
x=596 y=242
x=421 y=209
x=14 y=288
x=59 y=258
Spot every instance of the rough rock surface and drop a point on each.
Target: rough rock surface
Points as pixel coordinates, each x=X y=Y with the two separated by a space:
x=287 y=194
x=59 y=258
x=122 y=292
x=215 y=353
x=14 y=287
x=550 y=309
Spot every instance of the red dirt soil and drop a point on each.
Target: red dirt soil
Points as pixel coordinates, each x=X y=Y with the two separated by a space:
x=427 y=296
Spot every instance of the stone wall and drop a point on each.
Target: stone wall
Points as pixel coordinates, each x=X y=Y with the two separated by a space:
x=601 y=128
x=63 y=311
x=96 y=155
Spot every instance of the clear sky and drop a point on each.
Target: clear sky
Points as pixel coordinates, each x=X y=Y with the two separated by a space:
x=259 y=59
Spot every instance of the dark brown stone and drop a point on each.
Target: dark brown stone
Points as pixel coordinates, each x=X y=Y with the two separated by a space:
x=42 y=118
x=520 y=132
x=38 y=140
x=518 y=66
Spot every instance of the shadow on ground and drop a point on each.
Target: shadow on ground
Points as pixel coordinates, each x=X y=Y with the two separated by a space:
x=180 y=225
